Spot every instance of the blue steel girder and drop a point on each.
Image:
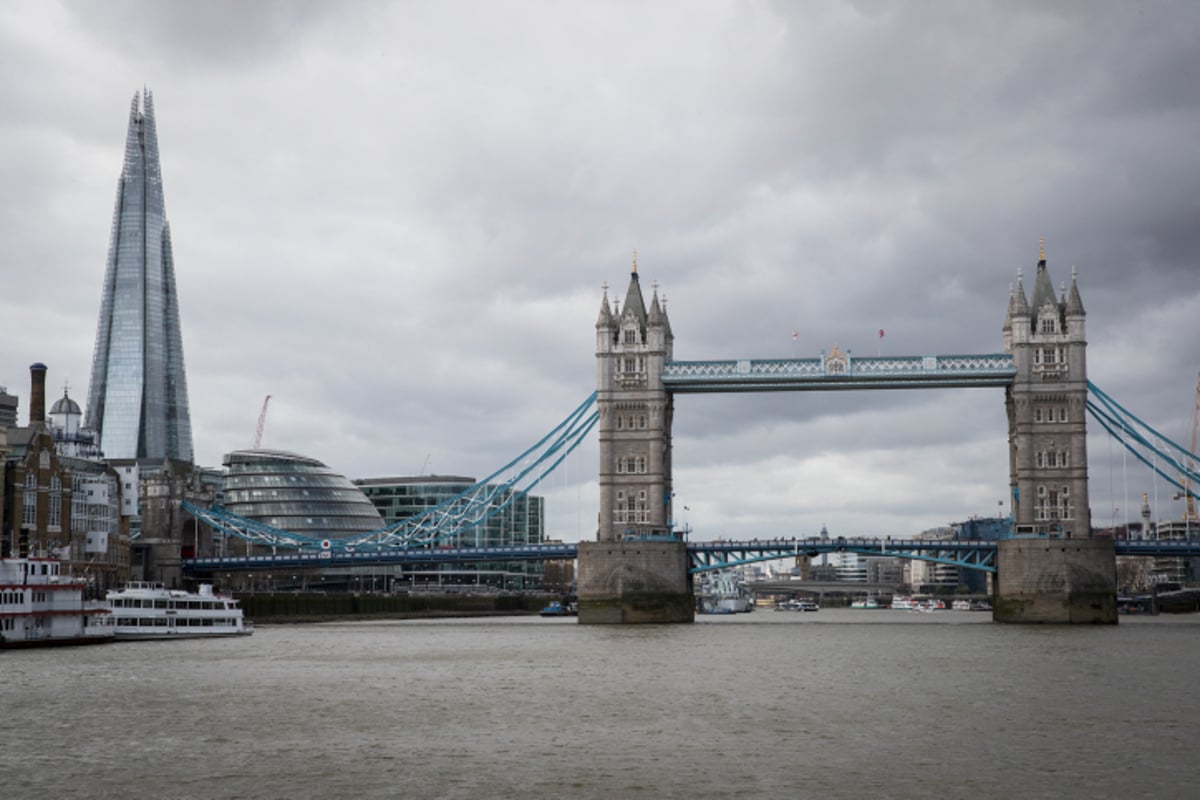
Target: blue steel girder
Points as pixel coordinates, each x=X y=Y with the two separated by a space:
x=448 y=520
x=1182 y=548
x=249 y=530
x=978 y=555
x=812 y=374
x=381 y=557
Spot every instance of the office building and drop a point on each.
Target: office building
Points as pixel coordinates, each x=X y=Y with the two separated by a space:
x=138 y=400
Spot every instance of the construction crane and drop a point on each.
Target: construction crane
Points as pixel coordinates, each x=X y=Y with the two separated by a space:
x=262 y=420
x=1189 y=515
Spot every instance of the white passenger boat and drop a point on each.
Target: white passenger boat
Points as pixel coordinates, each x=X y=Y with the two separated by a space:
x=150 y=611
x=41 y=606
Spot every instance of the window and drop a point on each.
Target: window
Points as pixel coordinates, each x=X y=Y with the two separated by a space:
x=54 y=518
x=1037 y=414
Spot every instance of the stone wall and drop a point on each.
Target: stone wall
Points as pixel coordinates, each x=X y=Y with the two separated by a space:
x=634 y=582
x=1056 y=580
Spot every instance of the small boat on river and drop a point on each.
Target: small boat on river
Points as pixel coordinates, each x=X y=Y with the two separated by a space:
x=150 y=611
x=557 y=609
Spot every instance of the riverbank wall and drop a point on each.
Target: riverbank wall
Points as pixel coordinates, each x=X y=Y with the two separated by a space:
x=286 y=607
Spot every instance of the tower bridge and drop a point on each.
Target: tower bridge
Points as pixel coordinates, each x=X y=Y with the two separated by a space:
x=637 y=572
x=640 y=568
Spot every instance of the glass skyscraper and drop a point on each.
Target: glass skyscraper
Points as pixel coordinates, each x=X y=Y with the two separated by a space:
x=138 y=401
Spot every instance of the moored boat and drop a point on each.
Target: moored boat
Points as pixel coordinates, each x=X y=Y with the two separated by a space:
x=150 y=611
x=40 y=606
x=557 y=609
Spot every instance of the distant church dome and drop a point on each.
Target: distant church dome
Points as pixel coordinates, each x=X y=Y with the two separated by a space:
x=65 y=405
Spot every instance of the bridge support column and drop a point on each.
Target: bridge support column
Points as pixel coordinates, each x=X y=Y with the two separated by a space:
x=634 y=582
x=1056 y=580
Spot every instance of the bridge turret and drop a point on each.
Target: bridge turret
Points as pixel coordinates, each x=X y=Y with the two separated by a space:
x=1075 y=315
x=635 y=417
x=1047 y=408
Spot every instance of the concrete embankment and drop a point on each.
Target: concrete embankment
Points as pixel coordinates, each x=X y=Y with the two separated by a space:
x=315 y=607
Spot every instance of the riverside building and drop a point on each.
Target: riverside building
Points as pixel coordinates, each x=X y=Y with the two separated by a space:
x=521 y=522
x=138 y=400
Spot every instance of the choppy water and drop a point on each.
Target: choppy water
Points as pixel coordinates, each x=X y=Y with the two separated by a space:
x=842 y=703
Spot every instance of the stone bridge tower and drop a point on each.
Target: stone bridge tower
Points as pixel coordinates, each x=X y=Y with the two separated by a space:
x=1047 y=410
x=1052 y=570
x=637 y=570
x=632 y=345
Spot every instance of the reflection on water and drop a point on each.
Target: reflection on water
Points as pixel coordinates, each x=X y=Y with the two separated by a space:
x=841 y=703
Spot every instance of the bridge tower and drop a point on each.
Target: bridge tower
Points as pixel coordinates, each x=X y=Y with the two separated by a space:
x=1052 y=570
x=636 y=571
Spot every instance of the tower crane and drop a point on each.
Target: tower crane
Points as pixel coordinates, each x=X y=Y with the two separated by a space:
x=1189 y=515
x=262 y=420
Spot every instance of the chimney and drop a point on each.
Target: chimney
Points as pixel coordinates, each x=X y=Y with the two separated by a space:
x=37 y=394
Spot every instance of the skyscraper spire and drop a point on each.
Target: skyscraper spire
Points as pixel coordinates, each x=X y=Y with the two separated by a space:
x=138 y=401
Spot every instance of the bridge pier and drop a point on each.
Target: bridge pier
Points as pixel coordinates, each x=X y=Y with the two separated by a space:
x=1056 y=580
x=634 y=582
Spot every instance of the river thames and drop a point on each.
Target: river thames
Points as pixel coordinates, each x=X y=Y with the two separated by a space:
x=837 y=704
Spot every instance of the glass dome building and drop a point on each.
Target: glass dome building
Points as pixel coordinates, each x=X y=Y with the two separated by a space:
x=296 y=493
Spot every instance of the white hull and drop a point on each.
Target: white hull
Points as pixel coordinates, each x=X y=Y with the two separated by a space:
x=136 y=635
x=149 y=612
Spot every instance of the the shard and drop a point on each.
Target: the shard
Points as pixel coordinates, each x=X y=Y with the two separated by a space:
x=137 y=400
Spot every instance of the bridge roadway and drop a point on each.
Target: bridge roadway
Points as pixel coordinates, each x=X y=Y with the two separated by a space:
x=703 y=556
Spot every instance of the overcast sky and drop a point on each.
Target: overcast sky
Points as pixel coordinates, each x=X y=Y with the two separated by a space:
x=396 y=219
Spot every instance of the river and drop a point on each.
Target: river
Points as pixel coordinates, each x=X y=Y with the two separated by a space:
x=837 y=704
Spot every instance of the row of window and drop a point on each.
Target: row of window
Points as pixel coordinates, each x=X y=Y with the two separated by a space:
x=631 y=365
x=1046 y=511
x=18 y=597
x=182 y=622
x=140 y=602
x=1050 y=414
x=1052 y=459
x=631 y=421
x=632 y=465
x=1050 y=355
